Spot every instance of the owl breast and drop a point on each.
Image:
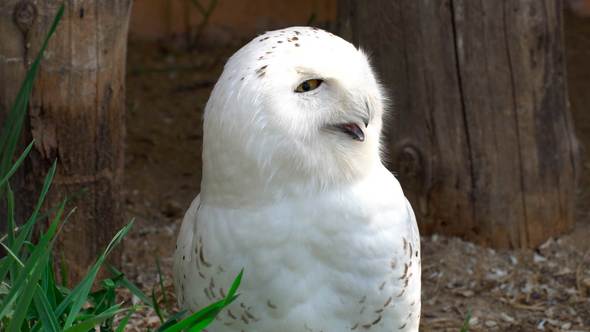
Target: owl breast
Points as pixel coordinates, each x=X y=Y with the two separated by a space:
x=329 y=262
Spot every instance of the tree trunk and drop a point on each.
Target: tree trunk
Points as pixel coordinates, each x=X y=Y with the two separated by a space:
x=76 y=114
x=481 y=136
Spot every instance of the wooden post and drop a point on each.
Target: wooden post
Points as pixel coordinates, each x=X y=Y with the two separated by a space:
x=76 y=113
x=480 y=136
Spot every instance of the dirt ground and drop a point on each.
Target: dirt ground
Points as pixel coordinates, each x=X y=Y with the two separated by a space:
x=547 y=289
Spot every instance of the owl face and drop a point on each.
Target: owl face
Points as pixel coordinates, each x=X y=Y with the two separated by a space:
x=301 y=101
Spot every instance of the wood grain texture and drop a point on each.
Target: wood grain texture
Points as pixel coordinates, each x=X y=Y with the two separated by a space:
x=480 y=136
x=76 y=114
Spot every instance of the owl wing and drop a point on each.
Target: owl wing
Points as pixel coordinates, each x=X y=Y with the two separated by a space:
x=184 y=270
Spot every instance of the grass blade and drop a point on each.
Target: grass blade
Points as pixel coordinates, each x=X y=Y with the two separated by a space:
x=161 y=282
x=465 y=327
x=63 y=270
x=171 y=320
x=13 y=124
x=234 y=288
x=26 y=86
x=44 y=190
x=204 y=314
x=16 y=164
x=94 y=320
x=204 y=317
x=25 y=231
x=26 y=295
x=157 y=308
x=10 y=232
x=45 y=311
x=123 y=323
x=23 y=287
x=78 y=296
x=122 y=281
x=49 y=285
x=12 y=255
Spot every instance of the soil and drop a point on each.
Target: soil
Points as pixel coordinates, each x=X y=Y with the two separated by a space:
x=547 y=289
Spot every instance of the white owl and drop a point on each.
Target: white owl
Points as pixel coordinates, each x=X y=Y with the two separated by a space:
x=295 y=193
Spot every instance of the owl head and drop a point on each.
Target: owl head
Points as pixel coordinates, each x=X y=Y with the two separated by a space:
x=298 y=105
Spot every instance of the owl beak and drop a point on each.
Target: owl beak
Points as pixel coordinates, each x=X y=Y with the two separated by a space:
x=353 y=130
x=352 y=125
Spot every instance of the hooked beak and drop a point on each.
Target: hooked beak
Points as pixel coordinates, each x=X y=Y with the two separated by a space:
x=352 y=129
x=354 y=126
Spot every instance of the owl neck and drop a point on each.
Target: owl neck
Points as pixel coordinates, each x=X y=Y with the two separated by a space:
x=233 y=175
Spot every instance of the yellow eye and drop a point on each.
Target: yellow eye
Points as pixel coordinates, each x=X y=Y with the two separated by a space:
x=309 y=85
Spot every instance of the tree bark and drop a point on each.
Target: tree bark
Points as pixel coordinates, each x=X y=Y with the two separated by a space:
x=481 y=136
x=76 y=114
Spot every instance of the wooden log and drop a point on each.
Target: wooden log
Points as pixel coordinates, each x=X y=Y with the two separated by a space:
x=76 y=114
x=481 y=136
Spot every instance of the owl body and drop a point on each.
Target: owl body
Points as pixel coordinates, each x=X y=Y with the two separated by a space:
x=294 y=192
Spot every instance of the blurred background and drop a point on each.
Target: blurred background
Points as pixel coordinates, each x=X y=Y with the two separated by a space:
x=492 y=118
x=174 y=60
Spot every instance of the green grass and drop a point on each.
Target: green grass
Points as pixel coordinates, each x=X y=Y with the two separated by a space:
x=30 y=297
x=465 y=327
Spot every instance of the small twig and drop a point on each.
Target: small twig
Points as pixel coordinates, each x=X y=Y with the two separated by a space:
x=536 y=307
x=311 y=19
x=199 y=7
x=206 y=14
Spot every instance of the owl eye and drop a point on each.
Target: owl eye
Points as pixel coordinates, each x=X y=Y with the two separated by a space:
x=308 y=85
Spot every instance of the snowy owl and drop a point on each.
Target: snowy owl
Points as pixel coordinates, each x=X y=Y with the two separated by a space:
x=295 y=193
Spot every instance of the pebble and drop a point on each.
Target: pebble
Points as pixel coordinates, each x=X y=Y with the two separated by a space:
x=490 y=323
x=507 y=318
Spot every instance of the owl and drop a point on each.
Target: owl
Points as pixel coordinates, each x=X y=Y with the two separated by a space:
x=294 y=192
